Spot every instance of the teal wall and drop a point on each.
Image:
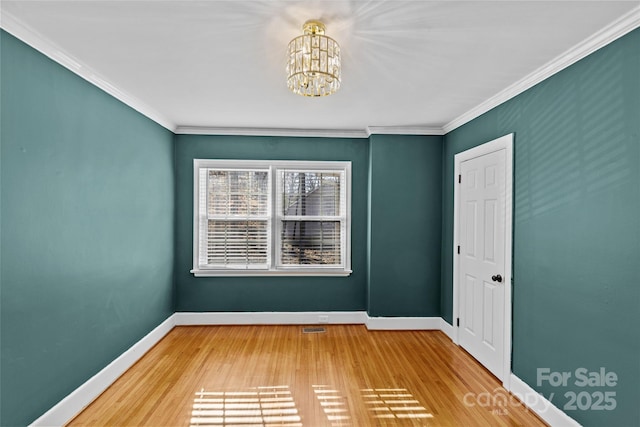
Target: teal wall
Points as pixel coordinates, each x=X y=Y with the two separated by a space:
x=87 y=230
x=269 y=293
x=391 y=276
x=576 y=295
x=405 y=224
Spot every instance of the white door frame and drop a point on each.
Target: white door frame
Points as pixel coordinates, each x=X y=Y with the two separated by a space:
x=506 y=143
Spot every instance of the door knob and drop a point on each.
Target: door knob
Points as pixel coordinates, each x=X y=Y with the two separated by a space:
x=497 y=278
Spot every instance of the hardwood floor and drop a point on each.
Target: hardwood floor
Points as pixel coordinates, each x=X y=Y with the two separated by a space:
x=280 y=376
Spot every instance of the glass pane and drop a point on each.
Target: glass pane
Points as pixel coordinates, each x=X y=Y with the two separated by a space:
x=310 y=243
x=218 y=192
x=243 y=193
x=311 y=193
x=236 y=242
x=258 y=205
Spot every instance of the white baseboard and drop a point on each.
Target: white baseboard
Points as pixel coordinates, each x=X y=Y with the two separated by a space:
x=446 y=328
x=403 y=323
x=540 y=405
x=309 y=317
x=271 y=318
x=81 y=397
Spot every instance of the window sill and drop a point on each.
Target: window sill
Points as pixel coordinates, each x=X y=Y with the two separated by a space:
x=264 y=273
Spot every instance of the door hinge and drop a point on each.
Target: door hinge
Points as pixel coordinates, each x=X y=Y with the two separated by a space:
x=459 y=179
x=458 y=322
x=458 y=250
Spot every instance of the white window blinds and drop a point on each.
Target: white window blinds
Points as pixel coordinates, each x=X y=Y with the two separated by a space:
x=234 y=218
x=271 y=217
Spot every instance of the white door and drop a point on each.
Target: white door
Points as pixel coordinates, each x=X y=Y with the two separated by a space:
x=481 y=273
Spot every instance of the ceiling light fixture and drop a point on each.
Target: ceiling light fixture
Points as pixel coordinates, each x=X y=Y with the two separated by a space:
x=313 y=62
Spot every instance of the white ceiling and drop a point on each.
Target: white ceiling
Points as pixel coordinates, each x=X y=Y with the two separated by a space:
x=220 y=64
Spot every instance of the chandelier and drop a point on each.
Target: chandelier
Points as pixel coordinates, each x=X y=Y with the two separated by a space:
x=313 y=62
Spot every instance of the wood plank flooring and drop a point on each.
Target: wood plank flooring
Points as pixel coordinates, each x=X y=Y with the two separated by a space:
x=279 y=376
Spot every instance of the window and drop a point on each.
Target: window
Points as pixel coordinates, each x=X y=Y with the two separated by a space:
x=271 y=218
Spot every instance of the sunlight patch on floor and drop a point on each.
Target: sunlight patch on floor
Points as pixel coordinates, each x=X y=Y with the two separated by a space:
x=267 y=406
x=393 y=403
x=334 y=405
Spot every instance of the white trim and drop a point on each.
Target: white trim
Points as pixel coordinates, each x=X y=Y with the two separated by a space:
x=503 y=143
x=324 y=133
x=404 y=130
x=446 y=328
x=282 y=272
x=536 y=402
x=271 y=318
x=28 y=35
x=309 y=318
x=621 y=26
x=403 y=323
x=81 y=397
x=273 y=266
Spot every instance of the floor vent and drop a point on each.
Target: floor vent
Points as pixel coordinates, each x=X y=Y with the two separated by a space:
x=314 y=330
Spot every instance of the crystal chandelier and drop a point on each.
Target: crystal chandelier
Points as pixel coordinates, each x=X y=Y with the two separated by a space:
x=313 y=63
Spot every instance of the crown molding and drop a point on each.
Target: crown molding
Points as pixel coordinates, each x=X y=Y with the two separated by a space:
x=31 y=37
x=618 y=28
x=405 y=130
x=312 y=133
x=248 y=131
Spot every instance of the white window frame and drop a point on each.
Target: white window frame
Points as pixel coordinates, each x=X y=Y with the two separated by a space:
x=275 y=214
